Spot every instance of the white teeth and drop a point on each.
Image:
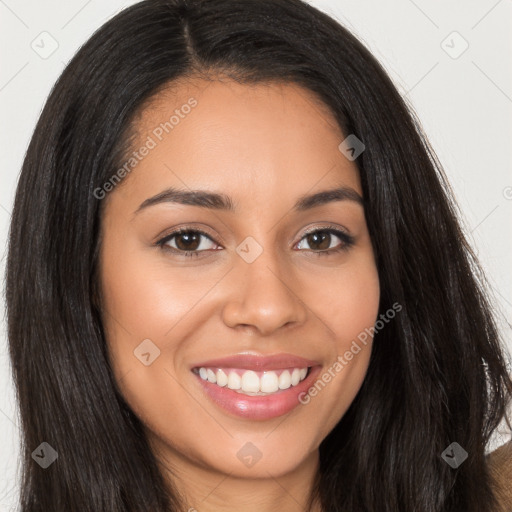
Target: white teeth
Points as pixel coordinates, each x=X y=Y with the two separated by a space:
x=222 y=378
x=211 y=376
x=285 y=380
x=234 y=381
x=269 y=382
x=250 y=383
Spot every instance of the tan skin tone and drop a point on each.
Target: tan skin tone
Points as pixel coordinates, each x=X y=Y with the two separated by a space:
x=265 y=146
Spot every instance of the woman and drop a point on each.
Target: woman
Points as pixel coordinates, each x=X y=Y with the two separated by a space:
x=236 y=279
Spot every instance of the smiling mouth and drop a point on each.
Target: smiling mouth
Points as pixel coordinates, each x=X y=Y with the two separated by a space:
x=253 y=383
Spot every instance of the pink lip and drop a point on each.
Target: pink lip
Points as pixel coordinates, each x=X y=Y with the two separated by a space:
x=259 y=407
x=258 y=362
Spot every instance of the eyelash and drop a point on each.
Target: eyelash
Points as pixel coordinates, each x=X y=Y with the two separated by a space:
x=347 y=241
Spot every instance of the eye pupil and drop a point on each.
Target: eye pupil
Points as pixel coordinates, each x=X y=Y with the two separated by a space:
x=190 y=239
x=323 y=236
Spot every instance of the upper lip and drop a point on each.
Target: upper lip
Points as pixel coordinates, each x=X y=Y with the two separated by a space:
x=247 y=361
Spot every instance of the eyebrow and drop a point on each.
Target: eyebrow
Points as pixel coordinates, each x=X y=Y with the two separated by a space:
x=222 y=202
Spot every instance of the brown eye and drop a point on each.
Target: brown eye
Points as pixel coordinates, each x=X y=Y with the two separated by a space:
x=320 y=241
x=187 y=242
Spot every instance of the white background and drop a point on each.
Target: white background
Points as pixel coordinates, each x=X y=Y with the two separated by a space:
x=464 y=104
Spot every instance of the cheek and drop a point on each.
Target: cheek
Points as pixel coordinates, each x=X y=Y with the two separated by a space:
x=357 y=303
x=151 y=307
x=146 y=315
x=349 y=306
x=145 y=298
x=347 y=300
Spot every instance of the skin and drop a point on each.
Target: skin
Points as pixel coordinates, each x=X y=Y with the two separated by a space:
x=265 y=146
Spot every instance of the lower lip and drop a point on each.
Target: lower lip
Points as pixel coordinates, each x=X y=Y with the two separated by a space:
x=259 y=407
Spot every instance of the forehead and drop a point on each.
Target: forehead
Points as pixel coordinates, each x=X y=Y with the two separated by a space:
x=259 y=141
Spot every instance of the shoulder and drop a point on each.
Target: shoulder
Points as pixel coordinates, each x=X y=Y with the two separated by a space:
x=500 y=469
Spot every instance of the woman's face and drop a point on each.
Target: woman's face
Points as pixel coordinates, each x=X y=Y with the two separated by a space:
x=259 y=301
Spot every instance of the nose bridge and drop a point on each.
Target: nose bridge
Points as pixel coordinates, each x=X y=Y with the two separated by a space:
x=264 y=296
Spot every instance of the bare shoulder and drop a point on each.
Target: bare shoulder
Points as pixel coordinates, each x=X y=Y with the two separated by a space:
x=500 y=467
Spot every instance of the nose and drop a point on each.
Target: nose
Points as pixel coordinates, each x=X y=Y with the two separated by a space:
x=265 y=295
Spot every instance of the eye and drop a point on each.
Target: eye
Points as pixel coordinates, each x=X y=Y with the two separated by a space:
x=321 y=241
x=187 y=242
